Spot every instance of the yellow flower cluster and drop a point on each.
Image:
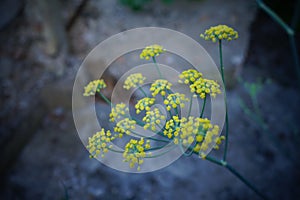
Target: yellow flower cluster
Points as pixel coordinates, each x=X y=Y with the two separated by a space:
x=144 y=104
x=172 y=128
x=189 y=76
x=220 y=32
x=93 y=87
x=124 y=126
x=99 y=143
x=134 y=80
x=160 y=86
x=211 y=137
x=193 y=130
x=153 y=118
x=120 y=110
x=202 y=87
x=218 y=141
x=174 y=100
x=135 y=152
x=151 y=51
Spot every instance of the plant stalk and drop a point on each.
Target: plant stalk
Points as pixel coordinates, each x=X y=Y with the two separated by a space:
x=225 y=100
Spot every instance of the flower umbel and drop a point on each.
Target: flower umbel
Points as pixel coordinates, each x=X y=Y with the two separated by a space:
x=202 y=87
x=189 y=76
x=153 y=118
x=120 y=110
x=134 y=80
x=160 y=86
x=93 y=87
x=99 y=143
x=174 y=100
x=211 y=137
x=144 y=104
x=172 y=128
x=220 y=32
x=125 y=126
x=135 y=152
x=199 y=132
x=151 y=51
x=194 y=129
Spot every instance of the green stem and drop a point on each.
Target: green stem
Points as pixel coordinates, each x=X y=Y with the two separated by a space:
x=295 y=55
x=289 y=29
x=225 y=99
x=173 y=147
x=244 y=180
x=203 y=107
x=116 y=151
x=176 y=111
x=105 y=99
x=275 y=17
x=150 y=138
x=155 y=148
x=295 y=18
x=236 y=173
x=191 y=102
x=157 y=68
x=214 y=160
x=143 y=91
x=221 y=61
x=139 y=122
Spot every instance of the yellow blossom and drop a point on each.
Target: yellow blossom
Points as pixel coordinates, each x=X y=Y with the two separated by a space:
x=153 y=118
x=202 y=87
x=211 y=137
x=172 y=128
x=93 y=87
x=160 y=86
x=151 y=51
x=118 y=111
x=220 y=32
x=174 y=100
x=144 y=104
x=125 y=126
x=98 y=144
x=135 y=152
x=189 y=76
x=134 y=80
x=193 y=130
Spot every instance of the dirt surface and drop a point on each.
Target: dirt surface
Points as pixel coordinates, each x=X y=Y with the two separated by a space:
x=55 y=165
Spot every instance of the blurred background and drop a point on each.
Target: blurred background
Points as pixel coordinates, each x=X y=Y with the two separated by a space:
x=43 y=43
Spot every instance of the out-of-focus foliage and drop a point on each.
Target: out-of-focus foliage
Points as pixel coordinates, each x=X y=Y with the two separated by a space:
x=139 y=4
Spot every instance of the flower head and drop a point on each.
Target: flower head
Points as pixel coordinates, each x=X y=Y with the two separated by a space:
x=153 y=118
x=125 y=126
x=134 y=80
x=151 y=51
x=211 y=137
x=202 y=87
x=172 y=128
x=220 y=32
x=194 y=129
x=174 y=100
x=93 y=87
x=189 y=76
x=99 y=143
x=160 y=86
x=120 y=110
x=135 y=152
x=144 y=104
